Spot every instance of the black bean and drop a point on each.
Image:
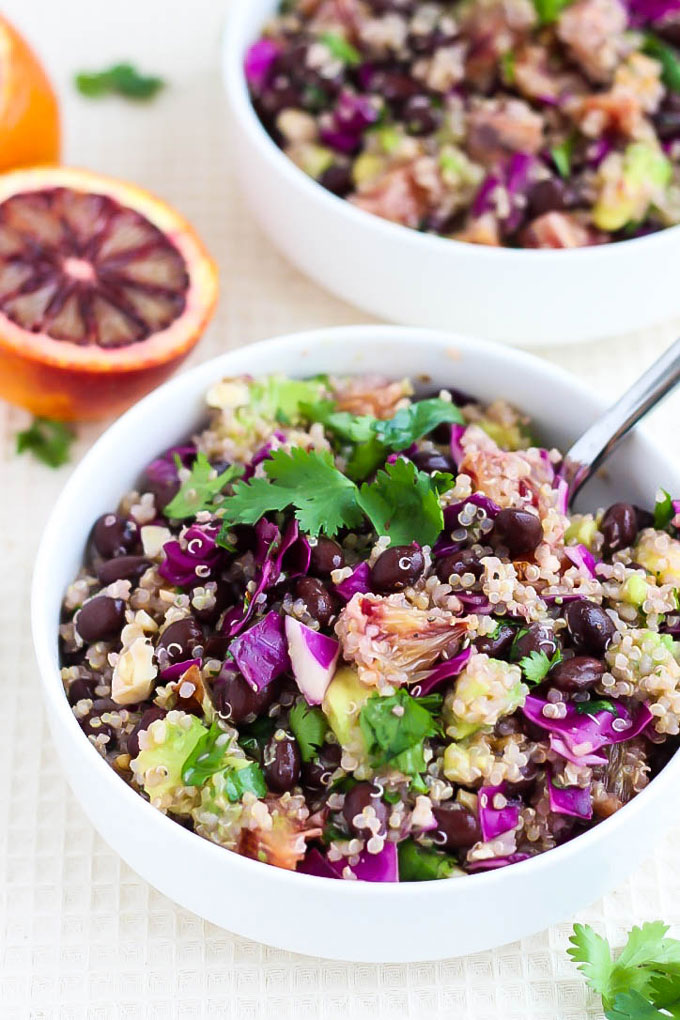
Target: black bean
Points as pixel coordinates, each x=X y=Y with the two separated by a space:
x=327 y=555
x=282 y=763
x=101 y=619
x=395 y=87
x=316 y=774
x=539 y=637
x=589 y=626
x=114 y=535
x=644 y=518
x=572 y=676
x=433 y=460
x=235 y=700
x=420 y=116
x=460 y=563
x=178 y=641
x=619 y=527
x=216 y=646
x=338 y=180
x=81 y=689
x=321 y=605
x=93 y=726
x=457 y=827
x=496 y=645
x=122 y=568
x=530 y=774
x=547 y=196
x=397 y=568
x=519 y=531
x=360 y=797
x=149 y=716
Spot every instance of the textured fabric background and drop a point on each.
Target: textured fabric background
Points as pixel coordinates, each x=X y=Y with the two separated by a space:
x=81 y=936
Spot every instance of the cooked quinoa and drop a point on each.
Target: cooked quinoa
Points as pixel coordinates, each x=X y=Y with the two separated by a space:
x=525 y=123
x=353 y=632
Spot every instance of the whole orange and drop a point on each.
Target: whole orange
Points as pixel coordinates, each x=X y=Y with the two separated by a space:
x=29 y=114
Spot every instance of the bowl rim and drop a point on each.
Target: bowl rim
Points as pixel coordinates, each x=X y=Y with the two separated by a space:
x=235 y=40
x=122 y=431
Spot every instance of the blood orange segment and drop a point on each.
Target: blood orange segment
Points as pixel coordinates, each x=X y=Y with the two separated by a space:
x=103 y=289
x=29 y=115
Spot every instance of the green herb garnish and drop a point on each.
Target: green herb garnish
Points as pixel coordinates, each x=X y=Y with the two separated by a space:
x=643 y=983
x=309 y=727
x=422 y=864
x=663 y=510
x=548 y=11
x=121 y=79
x=245 y=778
x=668 y=57
x=49 y=441
x=561 y=156
x=596 y=705
x=402 y=502
x=340 y=48
x=414 y=422
x=199 y=490
x=207 y=756
x=508 y=67
x=537 y=665
x=394 y=728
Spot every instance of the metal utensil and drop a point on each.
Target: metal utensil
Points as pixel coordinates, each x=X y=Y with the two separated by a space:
x=595 y=445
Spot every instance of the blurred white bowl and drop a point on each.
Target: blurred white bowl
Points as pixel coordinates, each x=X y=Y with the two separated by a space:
x=342 y=920
x=519 y=296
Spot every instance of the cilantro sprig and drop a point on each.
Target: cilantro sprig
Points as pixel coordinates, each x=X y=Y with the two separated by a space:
x=395 y=726
x=48 y=441
x=121 y=79
x=340 y=48
x=668 y=57
x=309 y=727
x=422 y=864
x=643 y=983
x=211 y=755
x=536 y=665
x=200 y=488
x=402 y=502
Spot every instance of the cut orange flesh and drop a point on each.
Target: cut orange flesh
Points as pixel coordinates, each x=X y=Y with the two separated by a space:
x=103 y=291
x=29 y=115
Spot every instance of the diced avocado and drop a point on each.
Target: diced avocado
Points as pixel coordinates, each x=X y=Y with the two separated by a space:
x=390 y=138
x=635 y=590
x=367 y=167
x=345 y=698
x=659 y=554
x=581 y=530
x=158 y=766
x=313 y=159
x=629 y=185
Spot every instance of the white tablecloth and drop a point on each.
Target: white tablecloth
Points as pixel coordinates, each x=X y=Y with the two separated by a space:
x=81 y=936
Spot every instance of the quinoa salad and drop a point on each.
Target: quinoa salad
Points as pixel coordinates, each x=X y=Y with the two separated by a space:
x=355 y=632
x=523 y=123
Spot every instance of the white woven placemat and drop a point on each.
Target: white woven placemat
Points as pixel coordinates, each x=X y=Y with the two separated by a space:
x=81 y=936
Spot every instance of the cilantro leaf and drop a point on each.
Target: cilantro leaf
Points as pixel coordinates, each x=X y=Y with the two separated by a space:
x=414 y=422
x=350 y=427
x=340 y=48
x=561 y=155
x=309 y=727
x=323 y=498
x=395 y=724
x=663 y=510
x=207 y=756
x=668 y=57
x=645 y=976
x=536 y=665
x=49 y=441
x=365 y=459
x=123 y=79
x=548 y=11
x=596 y=705
x=402 y=502
x=246 y=778
x=508 y=62
x=421 y=864
x=592 y=954
x=200 y=488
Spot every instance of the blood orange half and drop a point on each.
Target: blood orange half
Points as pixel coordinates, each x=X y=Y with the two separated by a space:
x=104 y=289
x=29 y=114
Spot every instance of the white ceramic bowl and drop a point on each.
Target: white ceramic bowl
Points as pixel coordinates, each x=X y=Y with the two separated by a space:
x=519 y=296
x=343 y=920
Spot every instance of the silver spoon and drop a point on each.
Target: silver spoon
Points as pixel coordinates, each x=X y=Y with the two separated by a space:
x=595 y=445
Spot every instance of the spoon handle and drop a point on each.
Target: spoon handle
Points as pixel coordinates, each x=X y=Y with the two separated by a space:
x=588 y=452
